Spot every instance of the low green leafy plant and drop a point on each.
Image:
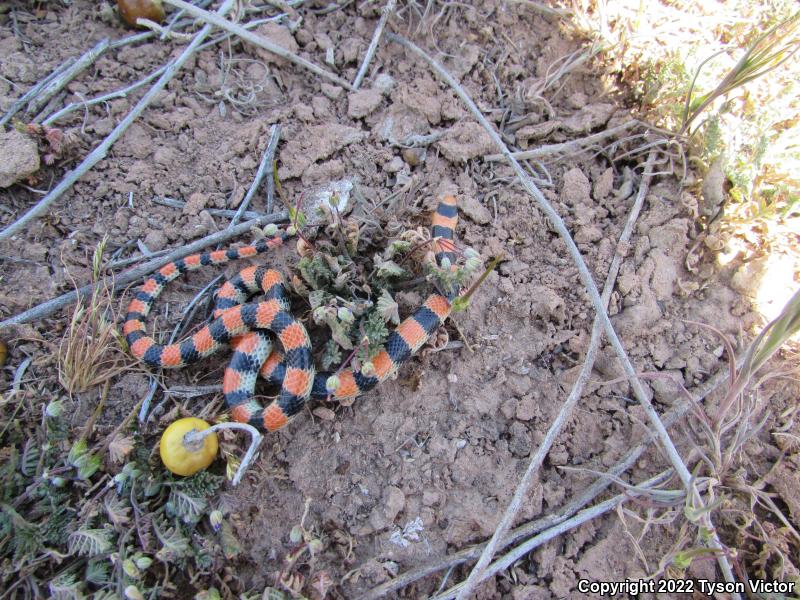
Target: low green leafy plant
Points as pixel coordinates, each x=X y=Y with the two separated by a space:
x=70 y=531
x=350 y=289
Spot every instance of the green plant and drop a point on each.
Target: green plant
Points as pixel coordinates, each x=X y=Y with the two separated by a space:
x=351 y=295
x=62 y=530
x=766 y=53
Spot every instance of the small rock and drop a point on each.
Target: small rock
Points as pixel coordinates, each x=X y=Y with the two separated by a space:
x=474 y=210
x=363 y=102
x=279 y=35
x=384 y=83
x=527 y=408
x=394 y=165
x=604 y=184
x=164 y=155
x=576 y=188
x=321 y=106
x=395 y=502
x=465 y=140
x=208 y=222
x=19 y=157
x=334 y=92
x=304 y=112
x=194 y=204
x=103 y=127
x=36 y=252
x=303 y=36
x=520 y=440
x=667 y=390
x=413 y=156
x=588 y=234
x=155 y=240
x=547 y=304
x=350 y=50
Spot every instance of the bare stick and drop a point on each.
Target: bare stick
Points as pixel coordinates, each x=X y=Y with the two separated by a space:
x=215 y=212
x=572 y=507
x=57 y=84
x=597 y=303
x=266 y=159
x=121 y=93
x=99 y=153
x=373 y=45
x=34 y=91
x=272 y=147
x=571 y=146
x=583 y=377
x=582 y=517
x=51 y=306
x=257 y=40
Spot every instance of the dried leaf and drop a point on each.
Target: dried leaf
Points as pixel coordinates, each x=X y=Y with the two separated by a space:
x=388 y=308
x=321 y=583
x=326 y=414
x=120 y=447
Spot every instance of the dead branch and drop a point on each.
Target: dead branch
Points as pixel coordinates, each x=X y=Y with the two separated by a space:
x=597 y=303
x=48 y=308
x=373 y=45
x=566 y=147
x=99 y=153
x=257 y=40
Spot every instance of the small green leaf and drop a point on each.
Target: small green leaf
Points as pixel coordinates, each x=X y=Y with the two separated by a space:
x=89 y=542
x=87 y=465
x=78 y=449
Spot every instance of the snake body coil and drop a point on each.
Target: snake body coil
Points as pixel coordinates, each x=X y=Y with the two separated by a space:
x=244 y=327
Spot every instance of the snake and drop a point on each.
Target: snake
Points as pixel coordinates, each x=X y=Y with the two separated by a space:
x=244 y=326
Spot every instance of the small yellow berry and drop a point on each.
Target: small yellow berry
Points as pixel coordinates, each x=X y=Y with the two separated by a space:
x=183 y=459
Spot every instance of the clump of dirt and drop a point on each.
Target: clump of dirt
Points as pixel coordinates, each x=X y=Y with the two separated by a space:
x=426 y=464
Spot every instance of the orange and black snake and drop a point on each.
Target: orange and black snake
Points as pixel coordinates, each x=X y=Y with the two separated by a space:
x=244 y=327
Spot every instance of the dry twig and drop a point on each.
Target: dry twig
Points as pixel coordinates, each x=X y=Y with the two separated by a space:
x=266 y=161
x=100 y=151
x=58 y=83
x=48 y=308
x=597 y=303
x=563 y=147
x=373 y=45
x=257 y=40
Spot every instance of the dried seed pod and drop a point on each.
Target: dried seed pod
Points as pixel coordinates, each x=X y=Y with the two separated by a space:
x=130 y=10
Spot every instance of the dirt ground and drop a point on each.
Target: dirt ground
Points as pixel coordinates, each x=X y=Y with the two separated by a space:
x=447 y=441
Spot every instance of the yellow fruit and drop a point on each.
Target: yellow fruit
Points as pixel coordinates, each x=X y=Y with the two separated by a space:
x=130 y=10
x=187 y=459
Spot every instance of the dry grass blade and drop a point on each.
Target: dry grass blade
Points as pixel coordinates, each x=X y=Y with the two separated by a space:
x=770 y=50
x=91 y=351
x=771 y=338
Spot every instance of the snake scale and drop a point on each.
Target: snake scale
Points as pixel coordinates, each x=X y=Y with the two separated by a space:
x=244 y=326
